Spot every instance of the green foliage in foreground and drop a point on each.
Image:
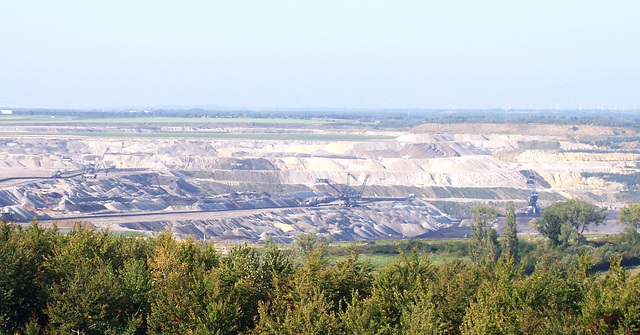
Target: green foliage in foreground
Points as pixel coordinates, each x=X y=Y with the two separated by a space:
x=88 y=282
x=630 y=216
x=565 y=222
x=485 y=239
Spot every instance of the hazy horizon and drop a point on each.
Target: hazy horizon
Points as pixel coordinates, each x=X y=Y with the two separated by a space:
x=357 y=55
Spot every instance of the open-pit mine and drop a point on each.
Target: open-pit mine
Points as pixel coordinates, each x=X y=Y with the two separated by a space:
x=246 y=180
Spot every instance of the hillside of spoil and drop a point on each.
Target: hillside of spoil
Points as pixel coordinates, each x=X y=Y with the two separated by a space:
x=532 y=129
x=457 y=164
x=409 y=160
x=434 y=162
x=382 y=220
x=127 y=202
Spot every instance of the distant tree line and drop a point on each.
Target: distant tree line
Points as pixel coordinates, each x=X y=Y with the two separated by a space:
x=89 y=282
x=383 y=118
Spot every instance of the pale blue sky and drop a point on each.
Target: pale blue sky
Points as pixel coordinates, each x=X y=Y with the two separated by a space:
x=315 y=54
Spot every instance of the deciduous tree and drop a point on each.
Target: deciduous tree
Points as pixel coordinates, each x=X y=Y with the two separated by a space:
x=484 y=238
x=510 y=235
x=565 y=222
x=629 y=216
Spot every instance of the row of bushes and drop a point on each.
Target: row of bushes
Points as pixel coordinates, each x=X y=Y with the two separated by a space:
x=89 y=282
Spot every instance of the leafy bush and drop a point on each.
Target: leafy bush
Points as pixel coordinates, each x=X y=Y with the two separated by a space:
x=97 y=283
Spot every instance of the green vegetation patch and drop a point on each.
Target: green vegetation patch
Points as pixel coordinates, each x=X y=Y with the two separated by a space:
x=383 y=252
x=210 y=187
x=244 y=164
x=94 y=282
x=37 y=119
x=539 y=145
x=454 y=208
x=631 y=180
x=609 y=142
x=248 y=136
x=495 y=193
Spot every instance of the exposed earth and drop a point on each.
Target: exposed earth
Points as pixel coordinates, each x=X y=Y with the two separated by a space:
x=414 y=182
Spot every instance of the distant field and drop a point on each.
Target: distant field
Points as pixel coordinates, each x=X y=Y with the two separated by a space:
x=383 y=252
x=378 y=261
x=45 y=119
x=249 y=136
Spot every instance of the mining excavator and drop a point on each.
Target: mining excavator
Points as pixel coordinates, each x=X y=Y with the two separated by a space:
x=348 y=195
x=94 y=167
x=532 y=204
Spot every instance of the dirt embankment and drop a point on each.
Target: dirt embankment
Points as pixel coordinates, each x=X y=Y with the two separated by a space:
x=381 y=220
x=410 y=160
x=459 y=162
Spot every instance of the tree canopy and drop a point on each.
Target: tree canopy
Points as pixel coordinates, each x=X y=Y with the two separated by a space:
x=565 y=222
x=93 y=282
x=630 y=216
x=485 y=238
x=510 y=234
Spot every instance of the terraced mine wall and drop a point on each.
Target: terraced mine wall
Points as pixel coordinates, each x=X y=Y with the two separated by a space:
x=452 y=171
